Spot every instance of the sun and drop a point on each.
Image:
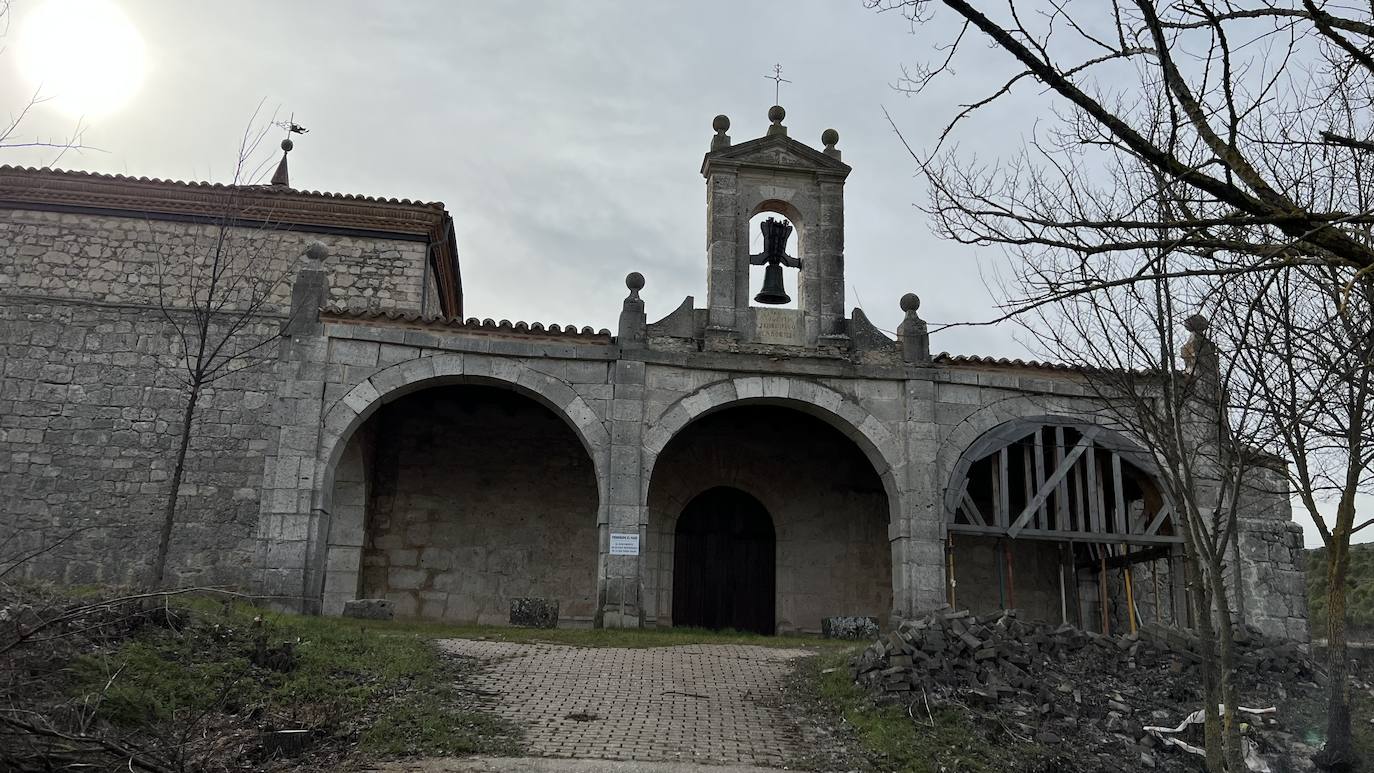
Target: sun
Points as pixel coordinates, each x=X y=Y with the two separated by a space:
x=84 y=56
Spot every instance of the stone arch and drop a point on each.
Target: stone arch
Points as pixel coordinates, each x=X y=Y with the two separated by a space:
x=883 y=450
x=782 y=207
x=340 y=547
x=873 y=444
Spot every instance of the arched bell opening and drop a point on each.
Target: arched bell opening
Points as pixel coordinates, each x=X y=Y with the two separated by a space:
x=827 y=505
x=775 y=256
x=723 y=555
x=1063 y=521
x=456 y=499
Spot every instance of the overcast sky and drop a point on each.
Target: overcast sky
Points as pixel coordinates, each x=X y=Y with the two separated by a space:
x=564 y=137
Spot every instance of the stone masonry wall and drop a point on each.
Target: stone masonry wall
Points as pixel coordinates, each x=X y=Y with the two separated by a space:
x=479 y=495
x=1272 y=562
x=90 y=406
x=829 y=512
x=90 y=413
x=120 y=259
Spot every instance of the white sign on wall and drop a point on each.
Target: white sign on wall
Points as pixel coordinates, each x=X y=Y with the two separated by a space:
x=624 y=544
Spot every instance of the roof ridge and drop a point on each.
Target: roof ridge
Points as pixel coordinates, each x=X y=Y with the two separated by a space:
x=206 y=185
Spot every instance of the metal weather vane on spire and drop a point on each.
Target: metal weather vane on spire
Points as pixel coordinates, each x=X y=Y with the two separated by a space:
x=778 y=80
x=281 y=177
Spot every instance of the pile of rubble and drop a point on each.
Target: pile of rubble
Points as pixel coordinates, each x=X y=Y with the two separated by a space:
x=1066 y=688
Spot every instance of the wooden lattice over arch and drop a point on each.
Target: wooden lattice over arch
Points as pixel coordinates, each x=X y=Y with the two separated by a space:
x=1051 y=478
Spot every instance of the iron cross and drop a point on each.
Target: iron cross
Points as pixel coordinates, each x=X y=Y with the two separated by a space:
x=778 y=80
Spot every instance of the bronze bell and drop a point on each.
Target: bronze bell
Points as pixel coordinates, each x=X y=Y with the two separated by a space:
x=774 y=257
x=773 y=291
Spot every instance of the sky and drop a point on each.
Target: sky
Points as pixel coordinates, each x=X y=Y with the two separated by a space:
x=565 y=138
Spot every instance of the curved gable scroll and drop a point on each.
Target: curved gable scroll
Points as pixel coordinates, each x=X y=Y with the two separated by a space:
x=1053 y=478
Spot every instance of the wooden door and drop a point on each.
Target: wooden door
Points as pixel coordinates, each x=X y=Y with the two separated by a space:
x=723 y=573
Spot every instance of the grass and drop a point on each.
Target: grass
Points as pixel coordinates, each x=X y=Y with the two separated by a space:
x=944 y=741
x=379 y=686
x=391 y=690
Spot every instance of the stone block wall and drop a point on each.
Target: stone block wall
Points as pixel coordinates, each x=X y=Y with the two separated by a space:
x=120 y=260
x=90 y=414
x=829 y=511
x=1273 y=581
x=479 y=496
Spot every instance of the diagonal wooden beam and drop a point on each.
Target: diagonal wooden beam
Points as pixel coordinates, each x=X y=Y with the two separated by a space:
x=971 y=509
x=1084 y=443
x=1163 y=513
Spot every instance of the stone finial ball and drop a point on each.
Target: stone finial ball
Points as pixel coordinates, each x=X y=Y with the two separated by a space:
x=1195 y=324
x=830 y=138
x=316 y=251
x=634 y=281
x=721 y=123
x=911 y=302
x=287 y=144
x=776 y=114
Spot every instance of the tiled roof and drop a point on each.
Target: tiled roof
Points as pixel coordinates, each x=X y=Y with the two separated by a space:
x=945 y=358
x=504 y=326
x=8 y=170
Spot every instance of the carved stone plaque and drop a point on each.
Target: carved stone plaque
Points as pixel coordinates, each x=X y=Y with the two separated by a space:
x=779 y=326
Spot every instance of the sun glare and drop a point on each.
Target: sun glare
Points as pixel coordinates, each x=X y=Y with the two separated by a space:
x=85 y=56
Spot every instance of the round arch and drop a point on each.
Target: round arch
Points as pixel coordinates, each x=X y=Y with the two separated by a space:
x=349 y=412
x=337 y=557
x=883 y=450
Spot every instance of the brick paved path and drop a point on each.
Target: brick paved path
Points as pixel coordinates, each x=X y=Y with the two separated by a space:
x=696 y=703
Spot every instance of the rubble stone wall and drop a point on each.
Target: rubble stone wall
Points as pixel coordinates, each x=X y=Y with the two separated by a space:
x=125 y=260
x=91 y=397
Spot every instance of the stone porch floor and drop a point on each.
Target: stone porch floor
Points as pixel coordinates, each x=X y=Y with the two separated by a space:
x=703 y=704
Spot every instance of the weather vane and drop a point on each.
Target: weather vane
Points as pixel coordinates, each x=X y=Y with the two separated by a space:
x=778 y=80
x=291 y=126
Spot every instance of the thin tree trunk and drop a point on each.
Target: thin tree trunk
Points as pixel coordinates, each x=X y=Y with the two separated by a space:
x=169 y=512
x=1338 y=753
x=1235 y=758
x=1211 y=692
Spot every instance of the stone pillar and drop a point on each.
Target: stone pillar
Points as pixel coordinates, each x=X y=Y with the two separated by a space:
x=912 y=334
x=1270 y=560
x=918 y=540
x=621 y=577
x=826 y=252
x=291 y=519
x=722 y=248
x=633 y=328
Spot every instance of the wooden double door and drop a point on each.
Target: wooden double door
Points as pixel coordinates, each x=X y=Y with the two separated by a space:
x=723 y=563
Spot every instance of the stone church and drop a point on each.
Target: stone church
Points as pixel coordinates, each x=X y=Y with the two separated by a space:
x=742 y=461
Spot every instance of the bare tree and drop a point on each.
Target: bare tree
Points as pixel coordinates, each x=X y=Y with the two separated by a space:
x=1307 y=359
x=215 y=298
x=1220 y=142
x=1170 y=394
